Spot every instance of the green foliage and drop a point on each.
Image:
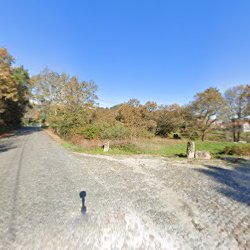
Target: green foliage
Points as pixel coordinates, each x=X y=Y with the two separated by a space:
x=156 y=146
x=91 y=131
x=15 y=88
x=237 y=108
x=117 y=131
x=76 y=114
x=105 y=131
x=119 y=149
x=206 y=108
x=67 y=105
x=129 y=148
x=246 y=136
x=66 y=121
x=169 y=120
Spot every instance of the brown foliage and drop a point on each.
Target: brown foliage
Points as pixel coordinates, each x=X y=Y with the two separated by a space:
x=237 y=150
x=14 y=90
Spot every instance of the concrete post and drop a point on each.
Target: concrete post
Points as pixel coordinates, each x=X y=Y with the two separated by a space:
x=190 y=150
x=106 y=146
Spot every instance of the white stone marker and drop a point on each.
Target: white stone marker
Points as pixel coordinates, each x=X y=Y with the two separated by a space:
x=190 y=150
x=106 y=146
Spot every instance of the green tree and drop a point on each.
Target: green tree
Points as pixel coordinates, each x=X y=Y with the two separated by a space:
x=15 y=88
x=169 y=119
x=237 y=100
x=66 y=103
x=8 y=86
x=206 y=107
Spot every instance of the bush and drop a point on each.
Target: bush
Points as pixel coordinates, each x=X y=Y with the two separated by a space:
x=66 y=121
x=143 y=133
x=117 y=131
x=245 y=136
x=237 y=150
x=216 y=135
x=91 y=132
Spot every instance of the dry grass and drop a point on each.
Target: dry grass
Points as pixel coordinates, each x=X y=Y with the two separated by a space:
x=237 y=150
x=153 y=146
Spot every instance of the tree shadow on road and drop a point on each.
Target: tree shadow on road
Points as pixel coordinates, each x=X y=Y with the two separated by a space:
x=27 y=130
x=7 y=143
x=235 y=181
x=6 y=146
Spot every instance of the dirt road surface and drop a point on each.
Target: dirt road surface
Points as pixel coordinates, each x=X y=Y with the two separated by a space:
x=133 y=202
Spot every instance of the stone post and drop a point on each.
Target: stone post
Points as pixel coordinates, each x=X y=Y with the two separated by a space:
x=106 y=146
x=190 y=150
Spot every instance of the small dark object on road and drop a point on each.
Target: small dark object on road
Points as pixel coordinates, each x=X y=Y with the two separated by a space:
x=82 y=195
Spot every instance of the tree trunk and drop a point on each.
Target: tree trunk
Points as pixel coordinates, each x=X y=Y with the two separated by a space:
x=203 y=135
x=237 y=131
x=238 y=134
x=234 y=132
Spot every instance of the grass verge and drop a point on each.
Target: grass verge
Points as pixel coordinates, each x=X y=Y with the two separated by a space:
x=168 y=149
x=154 y=146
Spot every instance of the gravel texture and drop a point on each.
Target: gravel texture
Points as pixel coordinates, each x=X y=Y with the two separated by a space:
x=134 y=202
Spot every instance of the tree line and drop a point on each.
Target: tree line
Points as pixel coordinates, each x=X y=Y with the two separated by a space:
x=15 y=87
x=68 y=105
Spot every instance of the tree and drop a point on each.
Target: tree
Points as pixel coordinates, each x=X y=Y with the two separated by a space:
x=169 y=119
x=134 y=103
x=138 y=118
x=190 y=126
x=49 y=87
x=66 y=103
x=53 y=88
x=8 y=87
x=17 y=107
x=247 y=95
x=151 y=106
x=15 y=87
x=237 y=100
x=79 y=93
x=206 y=107
x=54 y=92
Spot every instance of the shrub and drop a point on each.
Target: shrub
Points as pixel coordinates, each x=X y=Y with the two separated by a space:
x=143 y=133
x=245 y=136
x=117 y=131
x=237 y=150
x=67 y=121
x=91 y=131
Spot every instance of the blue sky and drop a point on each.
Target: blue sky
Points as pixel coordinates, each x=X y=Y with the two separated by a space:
x=164 y=51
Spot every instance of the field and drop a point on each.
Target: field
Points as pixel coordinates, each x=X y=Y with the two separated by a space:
x=155 y=146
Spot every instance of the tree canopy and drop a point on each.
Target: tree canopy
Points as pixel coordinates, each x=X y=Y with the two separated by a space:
x=68 y=105
x=15 y=88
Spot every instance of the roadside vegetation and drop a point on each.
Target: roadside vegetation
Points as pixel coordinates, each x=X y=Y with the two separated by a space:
x=163 y=148
x=15 y=86
x=68 y=106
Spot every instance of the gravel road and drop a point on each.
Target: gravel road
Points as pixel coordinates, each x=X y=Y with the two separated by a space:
x=134 y=202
